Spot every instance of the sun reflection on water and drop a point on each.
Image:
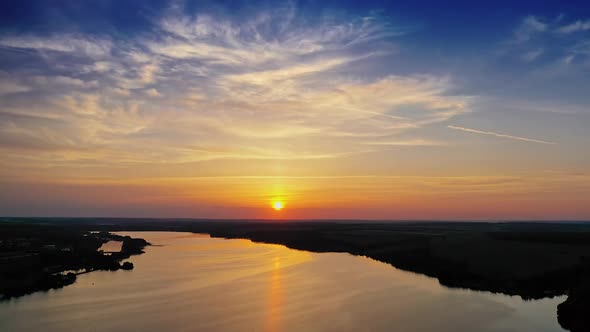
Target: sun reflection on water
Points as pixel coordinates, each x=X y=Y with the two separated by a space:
x=275 y=298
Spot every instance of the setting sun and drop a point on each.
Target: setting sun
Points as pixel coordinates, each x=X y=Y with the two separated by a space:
x=278 y=205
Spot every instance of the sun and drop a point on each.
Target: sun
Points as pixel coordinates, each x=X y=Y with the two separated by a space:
x=278 y=205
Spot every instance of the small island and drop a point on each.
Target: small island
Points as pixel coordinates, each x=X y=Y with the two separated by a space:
x=37 y=257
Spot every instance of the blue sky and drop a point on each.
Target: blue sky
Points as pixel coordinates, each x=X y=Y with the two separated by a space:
x=431 y=101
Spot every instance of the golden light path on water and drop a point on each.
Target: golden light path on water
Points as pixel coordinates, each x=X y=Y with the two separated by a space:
x=275 y=298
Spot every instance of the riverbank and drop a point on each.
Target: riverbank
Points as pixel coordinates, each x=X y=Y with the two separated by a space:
x=37 y=257
x=529 y=259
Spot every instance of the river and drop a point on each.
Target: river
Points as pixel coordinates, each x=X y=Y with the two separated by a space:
x=191 y=282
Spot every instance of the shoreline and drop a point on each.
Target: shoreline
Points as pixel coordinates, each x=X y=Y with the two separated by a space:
x=40 y=258
x=531 y=260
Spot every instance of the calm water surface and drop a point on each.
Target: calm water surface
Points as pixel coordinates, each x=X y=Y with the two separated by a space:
x=111 y=246
x=192 y=282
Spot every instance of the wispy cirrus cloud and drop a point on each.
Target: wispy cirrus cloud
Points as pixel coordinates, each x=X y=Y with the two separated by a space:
x=277 y=83
x=530 y=26
x=575 y=27
x=82 y=45
x=8 y=87
x=492 y=133
x=551 y=38
x=413 y=142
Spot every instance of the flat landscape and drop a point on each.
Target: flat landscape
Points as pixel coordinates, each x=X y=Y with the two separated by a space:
x=533 y=260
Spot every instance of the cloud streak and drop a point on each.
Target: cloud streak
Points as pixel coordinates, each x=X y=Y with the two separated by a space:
x=575 y=27
x=491 y=133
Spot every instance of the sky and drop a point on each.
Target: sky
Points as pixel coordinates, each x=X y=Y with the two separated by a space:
x=340 y=110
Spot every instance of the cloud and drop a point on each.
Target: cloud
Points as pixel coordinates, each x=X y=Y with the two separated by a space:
x=287 y=73
x=530 y=26
x=532 y=55
x=413 y=142
x=194 y=88
x=253 y=40
x=152 y=93
x=582 y=48
x=80 y=45
x=148 y=72
x=549 y=45
x=575 y=27
x=491 y=133
x=9 y=87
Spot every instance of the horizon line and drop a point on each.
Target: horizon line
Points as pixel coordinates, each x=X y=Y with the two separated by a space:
x=305 y=220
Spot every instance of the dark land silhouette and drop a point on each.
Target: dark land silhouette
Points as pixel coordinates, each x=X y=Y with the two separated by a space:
x=533 y=260
x=39 y=257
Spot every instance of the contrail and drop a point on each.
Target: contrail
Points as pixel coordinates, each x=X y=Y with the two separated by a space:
x=491 y=133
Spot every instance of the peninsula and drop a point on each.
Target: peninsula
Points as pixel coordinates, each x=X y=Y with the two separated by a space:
x=38 y=257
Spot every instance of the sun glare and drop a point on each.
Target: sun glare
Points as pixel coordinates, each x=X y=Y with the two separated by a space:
x=278 y=205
